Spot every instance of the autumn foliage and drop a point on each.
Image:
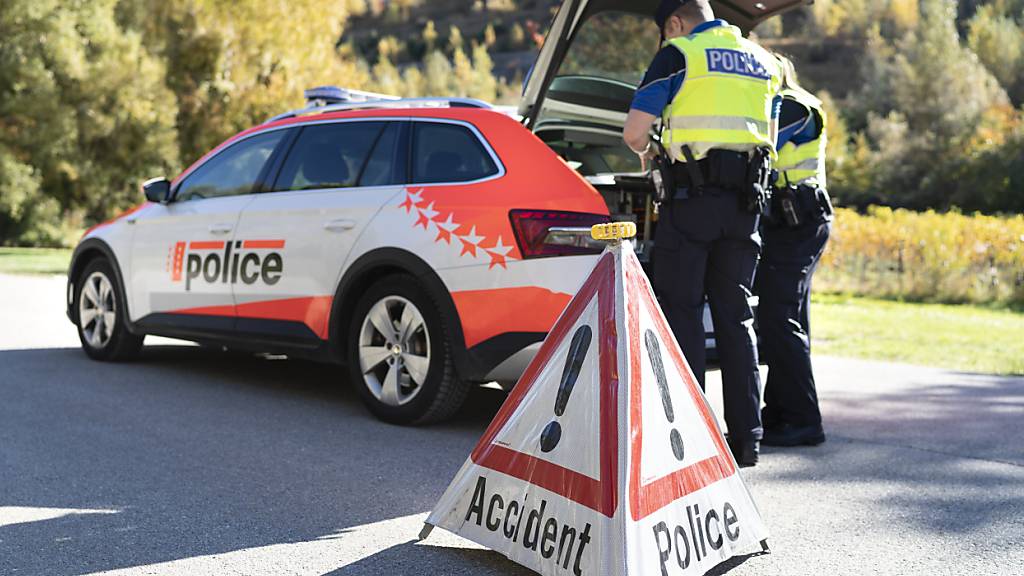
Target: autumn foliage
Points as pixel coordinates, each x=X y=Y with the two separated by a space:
x=925 y=256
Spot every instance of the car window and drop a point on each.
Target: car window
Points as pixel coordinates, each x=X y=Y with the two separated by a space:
x=235 y=170
x=448 y=153
x=382 y=167
x=328 y=155
x=634 y=36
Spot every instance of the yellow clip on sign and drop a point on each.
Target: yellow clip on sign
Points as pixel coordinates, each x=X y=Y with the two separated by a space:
x=613 y=231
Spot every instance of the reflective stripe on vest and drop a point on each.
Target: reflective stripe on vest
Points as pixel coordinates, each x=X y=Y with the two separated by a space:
x=726 y=98
x=804 y=163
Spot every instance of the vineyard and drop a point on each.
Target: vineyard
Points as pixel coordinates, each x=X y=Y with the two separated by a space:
x=925 y=256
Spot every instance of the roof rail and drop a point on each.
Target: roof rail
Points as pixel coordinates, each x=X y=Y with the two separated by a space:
x=332 y=99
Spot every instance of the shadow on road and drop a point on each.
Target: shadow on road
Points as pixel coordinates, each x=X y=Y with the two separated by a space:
x=203 y=452
x=200 y=453
x=410 y=558
x=940 y=451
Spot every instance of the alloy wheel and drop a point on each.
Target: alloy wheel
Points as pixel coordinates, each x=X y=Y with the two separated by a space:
x=97 y=310
x=394 y=350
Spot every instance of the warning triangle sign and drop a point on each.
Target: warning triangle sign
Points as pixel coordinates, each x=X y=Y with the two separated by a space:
x=606 y=457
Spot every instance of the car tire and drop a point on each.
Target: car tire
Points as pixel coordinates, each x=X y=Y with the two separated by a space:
x=101 y=315
x=400 y=356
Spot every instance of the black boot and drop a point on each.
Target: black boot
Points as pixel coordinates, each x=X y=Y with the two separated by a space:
x=790 y=435
x=745 y=453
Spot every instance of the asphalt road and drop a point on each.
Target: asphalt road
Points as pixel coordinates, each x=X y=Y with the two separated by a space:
x=192 y=461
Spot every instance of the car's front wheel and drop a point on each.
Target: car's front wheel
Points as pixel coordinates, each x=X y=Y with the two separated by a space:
x=400 y=356
x=101 y=313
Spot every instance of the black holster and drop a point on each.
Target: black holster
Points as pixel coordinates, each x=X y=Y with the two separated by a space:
x=662 y=176
x=756 y=191
x=795 y=205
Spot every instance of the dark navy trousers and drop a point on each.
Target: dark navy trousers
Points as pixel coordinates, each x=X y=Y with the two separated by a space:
x=783 y=285
x=709 y=245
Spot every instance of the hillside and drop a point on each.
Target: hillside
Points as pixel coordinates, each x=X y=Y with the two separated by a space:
x=519 y=28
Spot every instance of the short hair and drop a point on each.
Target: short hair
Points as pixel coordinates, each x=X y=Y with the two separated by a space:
x=695 y=10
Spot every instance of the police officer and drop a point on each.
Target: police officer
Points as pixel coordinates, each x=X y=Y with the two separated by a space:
x=794 y=238
x=715 y=92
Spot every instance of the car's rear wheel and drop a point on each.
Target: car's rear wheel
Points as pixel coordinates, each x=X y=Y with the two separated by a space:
x=101 y=313
x=400 y=355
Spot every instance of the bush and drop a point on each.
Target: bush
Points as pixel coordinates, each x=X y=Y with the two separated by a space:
x=925 y=256
x=922 y=108
x=998 y=40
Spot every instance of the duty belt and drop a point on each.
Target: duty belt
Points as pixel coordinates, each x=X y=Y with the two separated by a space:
x=719 y=169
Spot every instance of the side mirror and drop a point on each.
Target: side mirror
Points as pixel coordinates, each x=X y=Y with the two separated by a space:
x=157 y=190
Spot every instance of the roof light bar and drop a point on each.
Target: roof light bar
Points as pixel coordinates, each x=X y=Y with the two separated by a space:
x=325 y=95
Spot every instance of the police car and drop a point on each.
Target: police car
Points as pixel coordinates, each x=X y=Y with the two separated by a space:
x=424 y=244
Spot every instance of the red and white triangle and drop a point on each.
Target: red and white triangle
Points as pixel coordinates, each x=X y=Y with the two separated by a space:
x=605 y=458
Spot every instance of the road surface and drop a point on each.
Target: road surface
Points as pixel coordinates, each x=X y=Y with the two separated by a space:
x=193 y=461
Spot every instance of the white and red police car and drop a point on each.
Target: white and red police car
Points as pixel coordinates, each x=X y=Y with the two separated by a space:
x=422 y=242
x=426 y=244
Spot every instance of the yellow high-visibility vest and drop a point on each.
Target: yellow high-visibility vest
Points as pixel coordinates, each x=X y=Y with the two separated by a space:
x=804 y=163
x=726 y=98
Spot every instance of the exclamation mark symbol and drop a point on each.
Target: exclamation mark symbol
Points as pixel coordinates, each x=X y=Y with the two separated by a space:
x=654 y=351
x=573 y=363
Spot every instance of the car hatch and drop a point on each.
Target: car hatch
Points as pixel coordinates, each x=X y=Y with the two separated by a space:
x=596 y=52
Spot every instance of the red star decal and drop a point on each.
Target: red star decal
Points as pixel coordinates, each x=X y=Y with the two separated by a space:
x=496 y=259
x=407 y=204
x=467 y=247
x=422 y=220
x=443 y=234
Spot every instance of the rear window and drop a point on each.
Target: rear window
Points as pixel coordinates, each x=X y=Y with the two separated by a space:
x=448 y=153
x=634 y=36
x=335 y=156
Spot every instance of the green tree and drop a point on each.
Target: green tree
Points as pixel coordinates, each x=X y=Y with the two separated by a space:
x=386 y=77
x=485 y=85
x=922 y=102
x=455 y=39
x=430 y=36
x=997 y=37
x=437 y=74
x=464 y=74
x=231 y=65
x=992 y=179
x=413 y=82
x=84 y=118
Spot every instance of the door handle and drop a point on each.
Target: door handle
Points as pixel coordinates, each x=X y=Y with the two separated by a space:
x=339 y=225
x=220 y=228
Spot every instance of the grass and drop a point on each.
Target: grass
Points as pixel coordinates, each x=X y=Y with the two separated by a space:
x=959 y=337
x=34 y=260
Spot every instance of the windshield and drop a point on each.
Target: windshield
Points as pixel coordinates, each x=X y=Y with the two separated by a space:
x=612 y=45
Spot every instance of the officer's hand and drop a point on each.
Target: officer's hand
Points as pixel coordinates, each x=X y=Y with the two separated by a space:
x=646 y=157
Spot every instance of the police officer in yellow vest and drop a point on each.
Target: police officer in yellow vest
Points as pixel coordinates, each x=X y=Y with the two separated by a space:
x=794 y=237
x=716 y=95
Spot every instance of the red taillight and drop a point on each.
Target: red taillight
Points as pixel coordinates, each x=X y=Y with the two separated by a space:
x=541 y=233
